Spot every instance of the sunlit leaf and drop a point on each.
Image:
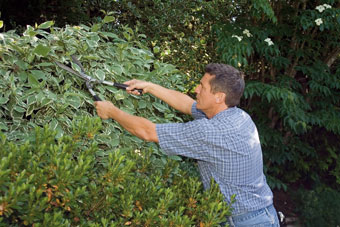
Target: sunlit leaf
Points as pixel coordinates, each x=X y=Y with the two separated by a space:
x=46 y=25
x=41 y=50
x=108 y=19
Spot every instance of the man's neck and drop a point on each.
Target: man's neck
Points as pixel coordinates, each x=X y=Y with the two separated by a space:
x=213 y=112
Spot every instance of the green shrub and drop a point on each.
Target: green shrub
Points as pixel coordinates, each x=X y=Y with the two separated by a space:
x=319 y=207
x=67 y=181
x=76 y=169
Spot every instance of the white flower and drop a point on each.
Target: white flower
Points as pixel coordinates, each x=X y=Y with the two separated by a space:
x=138 y=152
x=247 y=33
x=318 y=21
x=327 y=6
x=320 y=8
x=237 y=37
x=323 y=7
x=269 y=41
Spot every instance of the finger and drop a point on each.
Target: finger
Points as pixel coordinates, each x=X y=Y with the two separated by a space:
x=130 y=82
x=135 y=92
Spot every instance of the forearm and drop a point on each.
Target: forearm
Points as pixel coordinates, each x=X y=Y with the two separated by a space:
x=175 y=99
x=138 y=126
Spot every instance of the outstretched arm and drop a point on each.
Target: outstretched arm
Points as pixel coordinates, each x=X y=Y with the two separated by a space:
x=138 y=126
x=175 y=99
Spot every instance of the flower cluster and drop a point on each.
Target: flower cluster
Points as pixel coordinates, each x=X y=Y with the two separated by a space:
x=247 y=33
x=269 y=41
x=318 y=21
x=237 y=37
x=323 y=7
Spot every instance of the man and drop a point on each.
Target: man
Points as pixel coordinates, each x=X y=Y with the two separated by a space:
x=222 y=138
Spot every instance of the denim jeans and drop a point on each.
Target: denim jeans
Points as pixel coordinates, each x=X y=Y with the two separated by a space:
x=265 y=217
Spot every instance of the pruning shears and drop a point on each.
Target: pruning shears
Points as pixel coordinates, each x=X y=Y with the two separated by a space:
x=90 y=81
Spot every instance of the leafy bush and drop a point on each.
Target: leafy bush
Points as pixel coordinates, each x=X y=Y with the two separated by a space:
x=76 y=169
x=319 y=207
x=68 y=181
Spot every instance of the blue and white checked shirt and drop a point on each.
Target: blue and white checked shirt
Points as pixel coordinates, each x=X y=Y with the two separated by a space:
x=227 y=148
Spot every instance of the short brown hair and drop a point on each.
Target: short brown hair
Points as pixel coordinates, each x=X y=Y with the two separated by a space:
x=228 y=80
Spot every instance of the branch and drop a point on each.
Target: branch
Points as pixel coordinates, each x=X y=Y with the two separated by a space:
x=330 y=59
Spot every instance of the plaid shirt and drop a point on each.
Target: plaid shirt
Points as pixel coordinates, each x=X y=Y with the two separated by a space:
x=227 y=148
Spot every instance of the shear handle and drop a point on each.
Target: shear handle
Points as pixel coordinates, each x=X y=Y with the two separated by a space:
x=124 y=86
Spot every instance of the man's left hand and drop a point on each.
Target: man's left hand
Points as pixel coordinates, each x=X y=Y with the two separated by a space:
x=104 y=109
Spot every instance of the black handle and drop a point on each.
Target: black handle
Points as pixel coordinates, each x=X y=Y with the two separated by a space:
x=124 y=86
x=96 y=98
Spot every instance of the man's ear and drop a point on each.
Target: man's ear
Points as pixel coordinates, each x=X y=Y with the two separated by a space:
x=220 y=97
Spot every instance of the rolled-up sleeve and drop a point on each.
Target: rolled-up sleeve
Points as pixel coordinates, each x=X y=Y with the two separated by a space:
x=196 y=113
x=186 y=139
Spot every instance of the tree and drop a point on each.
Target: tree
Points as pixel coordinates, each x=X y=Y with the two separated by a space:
x=290 y=53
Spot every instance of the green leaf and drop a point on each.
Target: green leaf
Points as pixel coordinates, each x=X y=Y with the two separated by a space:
x=46 y=25
x=160 y=107
x=1 y=23
x=3 y=126
x=38 y=74
x=100 y=74
x=119 y=95
x=3 y=100
x=141 y=104
x=19 y=109
x=108 y=19
x=31 y=100
x=156 y=49
x=95 y=27
x=41 y=50
x=32 y=80
x=91 y=43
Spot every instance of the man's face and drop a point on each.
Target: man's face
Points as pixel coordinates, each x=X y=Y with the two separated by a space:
x=205 y=98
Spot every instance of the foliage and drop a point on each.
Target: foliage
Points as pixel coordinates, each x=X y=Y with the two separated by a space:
x=293 y=83
x=68 y=181
x=19 y=13
x=76 y=169
x=37 y=92
x=316 y=204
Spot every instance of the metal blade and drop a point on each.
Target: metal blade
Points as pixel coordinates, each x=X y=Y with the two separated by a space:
x=81 y=75
x=75 y=60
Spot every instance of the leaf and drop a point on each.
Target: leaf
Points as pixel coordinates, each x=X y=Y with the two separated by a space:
x=119 y=95
x=108 y=19
x=31 y=100
x=175 y=157
x=38 y=74
x=42 y=50
x=110 y=34
x=161 y=108
x=74 y=101
x=1 y=23
x=3 y=126
x=32 y=80
x=3 y=100
x=46 y=25
x=91 y=43
x=95 y=27
x=100 y=74
x=141 y=104
x=19 y=109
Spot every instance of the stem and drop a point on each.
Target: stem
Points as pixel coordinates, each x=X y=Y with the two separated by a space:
x=330 y=59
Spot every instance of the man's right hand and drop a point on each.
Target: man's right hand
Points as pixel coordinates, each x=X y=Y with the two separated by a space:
x=137 y=84
x=175 y=99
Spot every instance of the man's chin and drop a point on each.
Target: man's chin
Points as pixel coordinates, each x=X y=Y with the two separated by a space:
x=198 y=106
